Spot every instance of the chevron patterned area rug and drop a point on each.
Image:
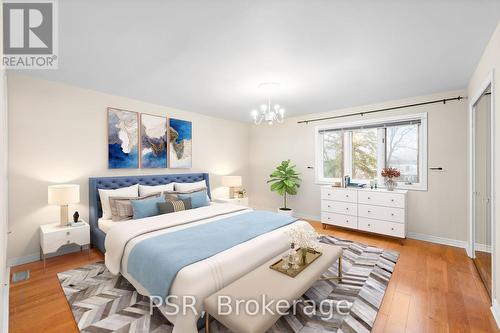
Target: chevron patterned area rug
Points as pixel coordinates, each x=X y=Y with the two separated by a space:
x=102 y=302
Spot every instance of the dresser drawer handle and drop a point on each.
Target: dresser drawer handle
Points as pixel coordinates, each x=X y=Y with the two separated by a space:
x=392 y=229
x=329 y=218
x=347 y=195
x=67 y=242
x=347 y=208
x=328 y=206
x=392 y=214
x=369 y=225
x=369 y=211
x=346 y=221
x=369 y=198
x=67 y=233
x=392 y=200
x=328 y=194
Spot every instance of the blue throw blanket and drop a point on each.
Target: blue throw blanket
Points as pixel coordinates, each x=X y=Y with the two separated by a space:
x=154 y=262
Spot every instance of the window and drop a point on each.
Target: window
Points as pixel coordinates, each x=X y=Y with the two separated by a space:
x=333 y=146
x=364 y=154
x=362 y=149
x=402 y=151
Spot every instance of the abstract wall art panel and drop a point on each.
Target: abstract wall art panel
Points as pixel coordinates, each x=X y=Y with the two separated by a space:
x=123 y=139
x=180 y=143
x=153 y=141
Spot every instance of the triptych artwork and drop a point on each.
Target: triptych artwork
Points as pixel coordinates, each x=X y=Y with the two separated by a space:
x=147 y=141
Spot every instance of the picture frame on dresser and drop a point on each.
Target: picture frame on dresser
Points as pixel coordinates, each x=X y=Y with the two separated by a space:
x=371 y=210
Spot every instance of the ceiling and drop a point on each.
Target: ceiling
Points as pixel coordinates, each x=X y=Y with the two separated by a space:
x=210 y=56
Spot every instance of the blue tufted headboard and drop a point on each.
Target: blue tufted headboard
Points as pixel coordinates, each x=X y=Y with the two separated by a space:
x=95 y=210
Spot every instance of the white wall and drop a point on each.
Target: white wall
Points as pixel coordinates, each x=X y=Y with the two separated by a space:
x=439 y=212
x=4 y=276
x=490 y=61
x=58 y=134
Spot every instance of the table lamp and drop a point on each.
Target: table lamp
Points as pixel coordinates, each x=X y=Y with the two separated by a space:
x=64 y=195
x=232 y=182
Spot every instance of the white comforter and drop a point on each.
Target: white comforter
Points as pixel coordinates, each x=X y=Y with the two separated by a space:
x=202 y=278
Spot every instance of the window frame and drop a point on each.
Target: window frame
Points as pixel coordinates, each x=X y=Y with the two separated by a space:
x=381 y=154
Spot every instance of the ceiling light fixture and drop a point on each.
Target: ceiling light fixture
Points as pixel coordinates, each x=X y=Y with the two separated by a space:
x=273 y=114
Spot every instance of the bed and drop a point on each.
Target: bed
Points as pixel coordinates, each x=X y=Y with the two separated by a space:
x=97 y=235
x=200 y=278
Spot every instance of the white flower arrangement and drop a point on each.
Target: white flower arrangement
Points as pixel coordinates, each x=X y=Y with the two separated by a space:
x=304 y=238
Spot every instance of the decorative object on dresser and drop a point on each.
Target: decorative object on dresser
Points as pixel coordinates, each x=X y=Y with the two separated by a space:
x=236 y=201
x=53 y=237
x=180 y=143
x=390 y=174
x=285 y=180
x=153 y=141
x=378 y=211
x=123 y=139
x=76 y=216
x=233 y=182
x=63 y=195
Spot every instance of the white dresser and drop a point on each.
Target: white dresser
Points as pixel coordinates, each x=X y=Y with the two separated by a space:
x=378 y=211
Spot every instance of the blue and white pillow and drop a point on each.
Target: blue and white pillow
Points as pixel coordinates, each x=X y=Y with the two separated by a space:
x=146 y=207
x=198 y=199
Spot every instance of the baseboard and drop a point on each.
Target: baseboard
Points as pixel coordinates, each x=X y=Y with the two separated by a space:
x=5 y=302
x=495 y=310
x=23 y=260
x=438 y=240
x=36 y=256
x=483 y=247
x=414 y=235
x=295 y=213
x=307 y=216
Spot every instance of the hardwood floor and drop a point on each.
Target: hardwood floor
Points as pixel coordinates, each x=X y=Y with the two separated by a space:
x=38 y=304
x=434 y=288
x=483 y=266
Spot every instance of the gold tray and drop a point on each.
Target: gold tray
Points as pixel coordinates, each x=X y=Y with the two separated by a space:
x=311 y=256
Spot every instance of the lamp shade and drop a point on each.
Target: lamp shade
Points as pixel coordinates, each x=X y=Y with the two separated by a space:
x=64 y=194
x=231 y=181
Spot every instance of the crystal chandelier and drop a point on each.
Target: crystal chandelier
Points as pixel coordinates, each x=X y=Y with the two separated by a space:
x=268 y=112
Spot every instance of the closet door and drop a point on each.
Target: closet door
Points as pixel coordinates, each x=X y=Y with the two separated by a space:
x=482 y=180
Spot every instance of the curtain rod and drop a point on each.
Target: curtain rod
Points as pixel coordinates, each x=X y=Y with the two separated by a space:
x=362 y=113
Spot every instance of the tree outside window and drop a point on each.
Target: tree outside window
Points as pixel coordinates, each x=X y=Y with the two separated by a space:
x=333 y=151
x=364 y=154
x=402 y=151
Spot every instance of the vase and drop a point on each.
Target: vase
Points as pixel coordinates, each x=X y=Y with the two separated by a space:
x=285 y=211
x=303 y=257
x=390 y=184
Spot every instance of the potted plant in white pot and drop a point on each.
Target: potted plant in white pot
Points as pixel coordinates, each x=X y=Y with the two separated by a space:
x=285 y=181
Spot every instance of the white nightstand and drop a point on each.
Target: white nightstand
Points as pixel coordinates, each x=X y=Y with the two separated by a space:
x=53 y=236
x=236 y=201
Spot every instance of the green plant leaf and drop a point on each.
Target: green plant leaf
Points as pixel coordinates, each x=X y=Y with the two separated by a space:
x=284 y=179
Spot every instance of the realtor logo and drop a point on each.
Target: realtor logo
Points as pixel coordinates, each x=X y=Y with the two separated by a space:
x=29 y=34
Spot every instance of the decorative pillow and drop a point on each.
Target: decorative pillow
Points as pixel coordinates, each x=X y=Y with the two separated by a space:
x=190 y=187
x=174 y=206
x=146 y=189
x=121 y=207
x=130 y=191
x=171 y=196
x=146 y=207
x=198 y=199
